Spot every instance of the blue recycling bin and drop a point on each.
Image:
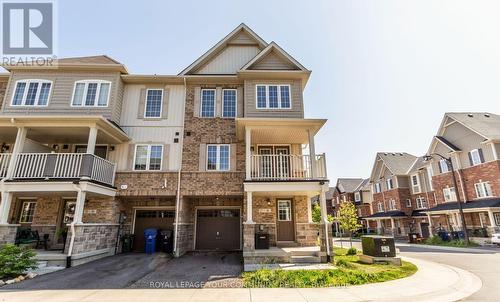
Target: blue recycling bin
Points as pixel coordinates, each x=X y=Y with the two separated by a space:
x=150 y=240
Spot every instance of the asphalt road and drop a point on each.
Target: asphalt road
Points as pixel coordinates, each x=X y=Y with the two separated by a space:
x=485 y=264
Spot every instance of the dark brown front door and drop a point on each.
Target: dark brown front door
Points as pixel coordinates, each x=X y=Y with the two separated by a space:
x=285 y=227
x=218 y=229
x=425 y=229
x=144 y=219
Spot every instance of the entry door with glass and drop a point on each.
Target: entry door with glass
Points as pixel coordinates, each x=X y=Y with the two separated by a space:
x=285 y=228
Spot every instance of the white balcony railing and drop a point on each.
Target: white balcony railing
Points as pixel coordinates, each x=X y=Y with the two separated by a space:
x=4 y=164
x=287 y=167
x=64 y=166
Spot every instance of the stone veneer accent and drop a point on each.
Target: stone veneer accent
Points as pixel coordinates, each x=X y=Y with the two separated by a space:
x=8 y=233
x=89 y=238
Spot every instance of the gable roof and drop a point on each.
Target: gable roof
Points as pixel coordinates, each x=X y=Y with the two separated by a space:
x=398 y=163
x=419 y=163
x=242 y=28
x=483 y=123
x=274 y=48
x=447 y=143
x=364 y=185
x=348 y=185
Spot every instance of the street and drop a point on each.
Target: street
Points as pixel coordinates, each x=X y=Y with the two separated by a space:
x=483 y=262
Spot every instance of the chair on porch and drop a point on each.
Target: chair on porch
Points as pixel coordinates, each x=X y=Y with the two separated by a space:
x=42 y=241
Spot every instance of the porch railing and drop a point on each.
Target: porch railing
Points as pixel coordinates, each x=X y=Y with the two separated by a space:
x=287 y=167
x=4 y=164
x=64 y=166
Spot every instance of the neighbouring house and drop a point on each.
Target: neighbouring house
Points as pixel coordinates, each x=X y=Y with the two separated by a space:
x=472 y=141
x=216 y=154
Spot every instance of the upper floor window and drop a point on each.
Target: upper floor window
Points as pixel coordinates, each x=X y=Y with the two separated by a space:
x=476 y=157
x=91 y=93
x=154 y=100
x=378 y=189
x=27 y=212
x=390 y=184
x=218 y=157
x=357 y=196
x=229 y=102
x=421 y=203
x=392 y=204
x=208 y=103
x=31 y=93
x=483 y=189
x=273 y=97
x=415 y=183
x=148 y=157
x=497 y=218
x=449 y=194
x=408 y=203
x=380 y=207
x=443 y=166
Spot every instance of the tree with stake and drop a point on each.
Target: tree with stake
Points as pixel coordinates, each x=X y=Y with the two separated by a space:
x=348 y=218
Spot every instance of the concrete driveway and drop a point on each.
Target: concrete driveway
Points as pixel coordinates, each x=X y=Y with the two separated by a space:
x=137 y=270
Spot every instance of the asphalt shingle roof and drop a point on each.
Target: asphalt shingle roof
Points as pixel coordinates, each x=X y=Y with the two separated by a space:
x=348 y=185
x=476 y=204
x=484 y=123
x=397 y=162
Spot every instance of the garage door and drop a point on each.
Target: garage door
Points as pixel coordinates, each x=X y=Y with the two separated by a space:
x=160 y=219
x=218 y=229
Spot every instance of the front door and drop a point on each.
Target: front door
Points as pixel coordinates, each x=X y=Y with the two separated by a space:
x=285 y=229
x=425 y=229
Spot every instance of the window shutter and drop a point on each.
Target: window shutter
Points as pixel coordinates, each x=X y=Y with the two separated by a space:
x=232 y=160
x=470 y=159
x=130 y=157
x=202 y=157
x=239 y=100
x=164 y=160
x=439 y=166
x=218 y=102
x=142 y=104
x=481 y=156
x=164 y=105
x=196 y=103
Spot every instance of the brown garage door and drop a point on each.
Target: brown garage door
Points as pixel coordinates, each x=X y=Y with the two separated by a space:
x=160 y=219
x=218 y=229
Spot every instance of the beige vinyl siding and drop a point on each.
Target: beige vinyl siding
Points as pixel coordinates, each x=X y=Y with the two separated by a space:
x=31 y=146
x=367 y=196
x=63 y=84
x=497 y=148
x=440 y=149
x=273 y=61
x=297 y=110
x=402 y=182
x=229 y=60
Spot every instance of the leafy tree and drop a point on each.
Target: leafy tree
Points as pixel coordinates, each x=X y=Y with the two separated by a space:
x=15 y=260
x=316 y=214
x=348 y=218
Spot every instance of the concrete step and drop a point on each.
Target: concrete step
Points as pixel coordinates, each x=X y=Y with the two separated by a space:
x=304 y=253
x=305 y=259
x=41 y=264
x=286 y=244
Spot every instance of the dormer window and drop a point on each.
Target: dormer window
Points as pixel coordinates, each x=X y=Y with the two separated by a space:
x=91 y=93
x=31 y=93
x=273 y=97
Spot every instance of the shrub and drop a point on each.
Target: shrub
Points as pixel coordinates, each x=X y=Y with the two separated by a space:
x=343 y=263
x=15 y=260
x=352 y=251
x=435 y=240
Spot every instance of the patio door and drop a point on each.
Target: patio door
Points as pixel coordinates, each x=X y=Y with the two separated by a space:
x=284 y=224
x=266 y=163
x=282 y=162
x=274 y=165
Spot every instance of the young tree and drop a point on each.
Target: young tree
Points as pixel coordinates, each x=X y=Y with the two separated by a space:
x=348 y=218
x=316 y=214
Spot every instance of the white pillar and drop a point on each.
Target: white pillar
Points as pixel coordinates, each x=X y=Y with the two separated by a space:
x=80 y=204
x=249 y=208
x=495 y=153
x=492 y=218
x=5 y=207
x=393 y=227
x=430 y=224
x=309 y=210
x=92 y=140
x=324 y=219
x=312 y=154
x=248 y=153
x=18 y=148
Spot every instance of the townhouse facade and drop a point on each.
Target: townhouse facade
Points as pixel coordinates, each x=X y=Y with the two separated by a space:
x=216 y=154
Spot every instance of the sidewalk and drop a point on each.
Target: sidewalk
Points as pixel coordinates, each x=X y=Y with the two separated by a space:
x=432 y=282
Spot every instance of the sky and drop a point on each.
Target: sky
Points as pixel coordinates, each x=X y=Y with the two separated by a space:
x=383 y=72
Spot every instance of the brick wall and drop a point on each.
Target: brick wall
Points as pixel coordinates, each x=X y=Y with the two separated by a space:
x=147 y=183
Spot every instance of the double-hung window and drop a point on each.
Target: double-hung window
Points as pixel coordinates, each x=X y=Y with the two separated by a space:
x=207 y=103
x=421 y=203
x=357 y=196
x=148 y=157
x=443 y=166
x=415 y=183
x=218 y=157
x=378 y=189
x=27 y=212
x=31 y=93
x=154 y=100
x=229 y=102
x=449 y=194
x=91 y=93
x=408 y=203
x=392 y=204
x=273 y=97
x=380 y=207
x=476 y=157
x=483 y=189
x=497 y=218
x=389 y=183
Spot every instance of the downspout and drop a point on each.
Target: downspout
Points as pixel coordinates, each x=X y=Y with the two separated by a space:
x=72 y=240
x=178 y=197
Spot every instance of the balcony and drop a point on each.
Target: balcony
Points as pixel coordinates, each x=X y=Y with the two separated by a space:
x=63 y=166
x=4 y=164
x=282 y=167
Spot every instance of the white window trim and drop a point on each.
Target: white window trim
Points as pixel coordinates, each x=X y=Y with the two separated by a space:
x=472 y=152
x=357 y=196
x=378 y=187
x=22 y=210
x=289 y=208
x=85 y=90
x=25 y=93
x=380 y=207
x=408 y=203
x=445 y=163
x=148 y=157
x=420 y=203
x=496 y=217
x=448 y=189
x=392 y=205
x=482 y=185
x=217 y=158
x=146 y=104
x=279 y=97
x=413 y=186
x=235 y=104
x=387 y=184
x=201 y=102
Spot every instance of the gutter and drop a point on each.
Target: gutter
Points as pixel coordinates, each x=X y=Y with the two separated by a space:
x=72 y=240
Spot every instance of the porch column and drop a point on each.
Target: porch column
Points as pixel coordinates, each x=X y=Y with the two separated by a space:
x=393 y=227
x=92 y=140
x=492 y=220
x=80 y=204
x=249 y=208
x=379 y=226
x=18 y=148
x=430 y=224
x=5 y=207
x=324 y=220
x=248 y=152
x=312 y=153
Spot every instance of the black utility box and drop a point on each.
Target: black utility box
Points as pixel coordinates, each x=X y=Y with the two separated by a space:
x=261 y=241
x=378 y=246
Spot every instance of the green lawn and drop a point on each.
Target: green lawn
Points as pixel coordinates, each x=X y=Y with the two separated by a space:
x=349 y=272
